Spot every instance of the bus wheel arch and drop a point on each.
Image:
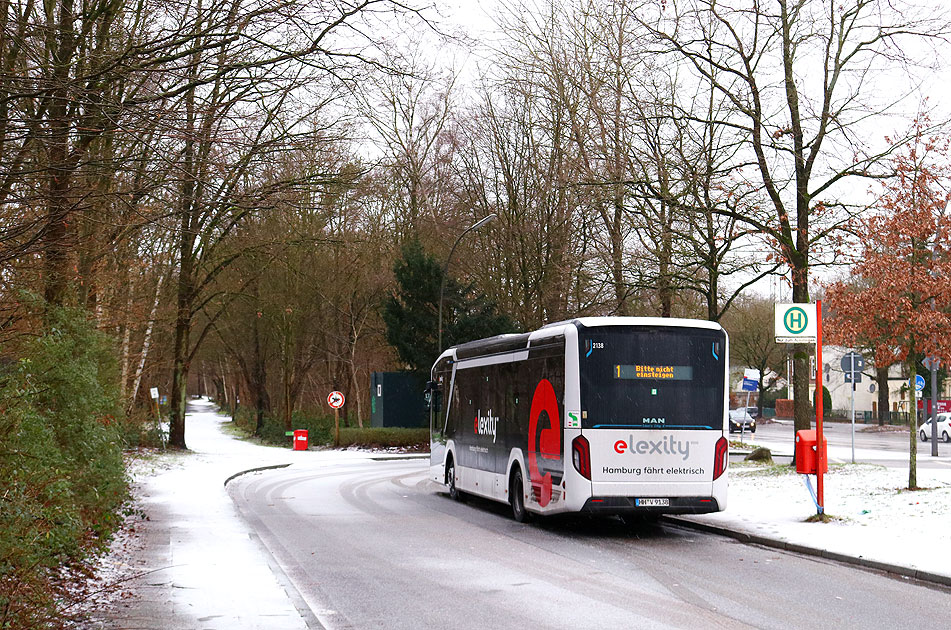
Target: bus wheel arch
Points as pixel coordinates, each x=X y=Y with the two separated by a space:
x=454 y=492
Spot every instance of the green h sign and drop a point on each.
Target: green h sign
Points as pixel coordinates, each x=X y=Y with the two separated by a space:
x=795 y=323
x=796 y=320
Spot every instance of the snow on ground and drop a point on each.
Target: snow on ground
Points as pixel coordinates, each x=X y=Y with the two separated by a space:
x=874 y=516
x=194 y=561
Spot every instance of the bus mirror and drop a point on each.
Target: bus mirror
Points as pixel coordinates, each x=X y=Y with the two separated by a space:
x=428 y=393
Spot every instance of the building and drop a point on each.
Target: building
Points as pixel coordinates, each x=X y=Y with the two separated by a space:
x=866 y=391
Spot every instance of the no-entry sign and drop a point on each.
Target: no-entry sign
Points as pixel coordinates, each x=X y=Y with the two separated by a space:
x=335 y=399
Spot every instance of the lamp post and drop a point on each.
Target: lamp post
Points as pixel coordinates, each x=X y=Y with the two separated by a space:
x=445 y=269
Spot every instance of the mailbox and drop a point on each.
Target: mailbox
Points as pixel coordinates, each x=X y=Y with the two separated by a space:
x=300 y=439
x=807 y=453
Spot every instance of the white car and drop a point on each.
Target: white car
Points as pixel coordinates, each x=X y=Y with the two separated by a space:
x=944 y=428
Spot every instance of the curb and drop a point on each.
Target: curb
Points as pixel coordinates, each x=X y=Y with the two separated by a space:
x=754 y=539
x=252 y=470
x=398 y=457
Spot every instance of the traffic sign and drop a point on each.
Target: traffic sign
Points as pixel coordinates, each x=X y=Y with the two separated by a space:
x=795 y=323
x=852 y=365
x=335 y=399
x=931 y=363
x=749 y=385
x=919 y=382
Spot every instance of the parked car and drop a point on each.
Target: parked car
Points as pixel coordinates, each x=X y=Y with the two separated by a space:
x=743 y=417
x=944 y=428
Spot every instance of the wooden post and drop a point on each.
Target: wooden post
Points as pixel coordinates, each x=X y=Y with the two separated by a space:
x=336 y=427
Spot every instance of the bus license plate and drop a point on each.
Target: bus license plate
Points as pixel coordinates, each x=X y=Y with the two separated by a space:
x=652 y=502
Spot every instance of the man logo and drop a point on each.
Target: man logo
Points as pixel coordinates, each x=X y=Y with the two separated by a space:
x=795 y=320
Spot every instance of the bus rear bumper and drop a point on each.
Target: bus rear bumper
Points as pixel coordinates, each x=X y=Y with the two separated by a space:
x=633 y=505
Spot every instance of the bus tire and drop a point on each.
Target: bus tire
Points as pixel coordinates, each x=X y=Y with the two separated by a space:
x=454 y=493
x=517 y=497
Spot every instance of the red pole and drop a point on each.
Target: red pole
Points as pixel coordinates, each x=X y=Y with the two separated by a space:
x=820 y=452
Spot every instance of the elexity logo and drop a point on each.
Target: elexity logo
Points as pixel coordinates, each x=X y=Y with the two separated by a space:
x=487 y=424
x=666 y=446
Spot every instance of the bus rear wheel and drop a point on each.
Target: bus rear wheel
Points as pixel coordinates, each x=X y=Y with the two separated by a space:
x=517 y=498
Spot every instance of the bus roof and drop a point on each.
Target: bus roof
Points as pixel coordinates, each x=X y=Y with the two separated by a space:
x=590 y=322
x=520 y=341
x=492 y=345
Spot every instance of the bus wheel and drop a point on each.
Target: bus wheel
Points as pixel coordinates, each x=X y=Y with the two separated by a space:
x=517 y=498
x=454 y=493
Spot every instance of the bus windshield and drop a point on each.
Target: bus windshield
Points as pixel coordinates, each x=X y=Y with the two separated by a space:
x=644 y=377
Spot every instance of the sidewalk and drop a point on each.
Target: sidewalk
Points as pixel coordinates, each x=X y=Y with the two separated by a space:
x=196 y=564
x=876 y=522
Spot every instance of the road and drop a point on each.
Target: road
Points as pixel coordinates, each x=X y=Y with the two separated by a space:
x=374 y=544
x=884 y=448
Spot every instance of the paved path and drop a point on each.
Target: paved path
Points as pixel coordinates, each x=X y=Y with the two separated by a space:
x=197 y=564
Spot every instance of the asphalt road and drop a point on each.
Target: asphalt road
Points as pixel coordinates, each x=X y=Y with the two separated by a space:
x=376 y=545
x=884 y=448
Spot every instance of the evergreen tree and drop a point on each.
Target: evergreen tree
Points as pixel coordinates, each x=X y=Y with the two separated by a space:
x=411 y=314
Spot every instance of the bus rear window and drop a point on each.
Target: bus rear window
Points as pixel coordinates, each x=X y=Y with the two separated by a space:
x=652 y=377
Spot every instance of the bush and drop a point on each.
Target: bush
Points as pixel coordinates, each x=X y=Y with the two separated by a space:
x=319 y=427
x=61 y=470
x=386 y=437
x=320 y=431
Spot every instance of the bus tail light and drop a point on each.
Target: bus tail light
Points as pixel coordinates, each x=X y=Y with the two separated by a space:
x=581 y=456
x=720 y=454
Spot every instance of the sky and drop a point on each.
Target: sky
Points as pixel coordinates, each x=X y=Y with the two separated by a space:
x=477 y=20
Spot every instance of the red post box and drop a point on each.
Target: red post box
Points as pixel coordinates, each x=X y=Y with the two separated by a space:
x=807 y=452
x=300 y=439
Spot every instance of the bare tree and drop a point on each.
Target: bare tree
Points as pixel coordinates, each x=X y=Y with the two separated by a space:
x=799 y=76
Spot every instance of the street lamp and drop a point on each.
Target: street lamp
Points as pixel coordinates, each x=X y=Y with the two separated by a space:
x=445 y=269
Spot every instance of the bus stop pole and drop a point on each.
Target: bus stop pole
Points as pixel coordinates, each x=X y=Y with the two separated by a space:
x=934 y=407
x=820 y=451
x=852 y=402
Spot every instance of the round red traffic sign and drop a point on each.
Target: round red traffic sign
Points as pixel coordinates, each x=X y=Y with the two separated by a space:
x=335 y=399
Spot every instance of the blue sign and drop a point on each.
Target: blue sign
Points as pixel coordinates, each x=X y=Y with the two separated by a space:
x=919 y=382
x=749 y=385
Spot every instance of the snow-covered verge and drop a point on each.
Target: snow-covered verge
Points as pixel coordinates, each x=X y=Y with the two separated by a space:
x=873 y=515
x=113 y=573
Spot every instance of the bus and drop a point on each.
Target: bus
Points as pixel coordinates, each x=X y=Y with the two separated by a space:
x=619 y=416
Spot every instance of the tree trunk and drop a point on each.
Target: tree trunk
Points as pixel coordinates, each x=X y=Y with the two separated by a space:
x=801 y=352
x=146 y=342
x=881 y=378
x=124 y=358
x=912 y=424
x=180 y=365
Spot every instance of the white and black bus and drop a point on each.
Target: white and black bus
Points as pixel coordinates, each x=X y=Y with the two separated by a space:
x=610 y=415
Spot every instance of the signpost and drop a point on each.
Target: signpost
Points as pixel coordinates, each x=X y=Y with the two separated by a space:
x=750 y=384
x=796 y=323
x=852 y=365
x=154 y=394
x=802 y=323
x=933 y=363
x=336 y=399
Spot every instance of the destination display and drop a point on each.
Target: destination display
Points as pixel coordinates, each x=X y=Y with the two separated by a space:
x=654 y=372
